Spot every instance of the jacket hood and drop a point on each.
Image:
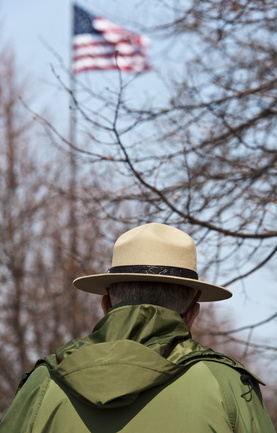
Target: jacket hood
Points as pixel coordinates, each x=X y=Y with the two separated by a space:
x=133 y=348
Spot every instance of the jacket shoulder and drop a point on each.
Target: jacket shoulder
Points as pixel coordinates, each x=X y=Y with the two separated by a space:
x=241 y=392
x=23 y=411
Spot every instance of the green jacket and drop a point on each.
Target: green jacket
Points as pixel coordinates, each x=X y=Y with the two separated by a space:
x=139 y=371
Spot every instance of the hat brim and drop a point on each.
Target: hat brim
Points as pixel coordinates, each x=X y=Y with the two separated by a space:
x=99 y=283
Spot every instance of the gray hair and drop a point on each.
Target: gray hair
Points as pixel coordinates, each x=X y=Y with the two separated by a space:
x=173 y=296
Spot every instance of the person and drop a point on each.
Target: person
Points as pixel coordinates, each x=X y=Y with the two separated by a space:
x=139 y=370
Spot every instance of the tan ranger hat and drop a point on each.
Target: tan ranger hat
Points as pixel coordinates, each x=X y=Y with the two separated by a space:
x=153 y=252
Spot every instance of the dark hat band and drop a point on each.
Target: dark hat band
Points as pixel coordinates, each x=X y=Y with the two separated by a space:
x=172 y=271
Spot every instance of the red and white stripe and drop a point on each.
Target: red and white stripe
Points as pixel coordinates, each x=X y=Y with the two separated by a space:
x=115 y=48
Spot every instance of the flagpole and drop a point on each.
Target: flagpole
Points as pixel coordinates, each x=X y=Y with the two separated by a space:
x=73 y=231
x=72 y=83
x=72 y=132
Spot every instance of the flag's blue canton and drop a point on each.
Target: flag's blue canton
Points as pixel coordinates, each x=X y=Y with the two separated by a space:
x=83 y=22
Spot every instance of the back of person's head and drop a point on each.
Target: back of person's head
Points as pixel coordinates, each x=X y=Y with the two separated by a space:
x=173 y=296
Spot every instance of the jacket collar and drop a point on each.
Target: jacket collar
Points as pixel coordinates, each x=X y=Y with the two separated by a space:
x=156 y=327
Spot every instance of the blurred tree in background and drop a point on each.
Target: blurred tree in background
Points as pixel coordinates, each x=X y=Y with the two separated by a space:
x=201 y=153
x=39 y=310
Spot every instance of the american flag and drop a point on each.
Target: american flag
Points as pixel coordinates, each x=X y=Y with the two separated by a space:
x=100 y=44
